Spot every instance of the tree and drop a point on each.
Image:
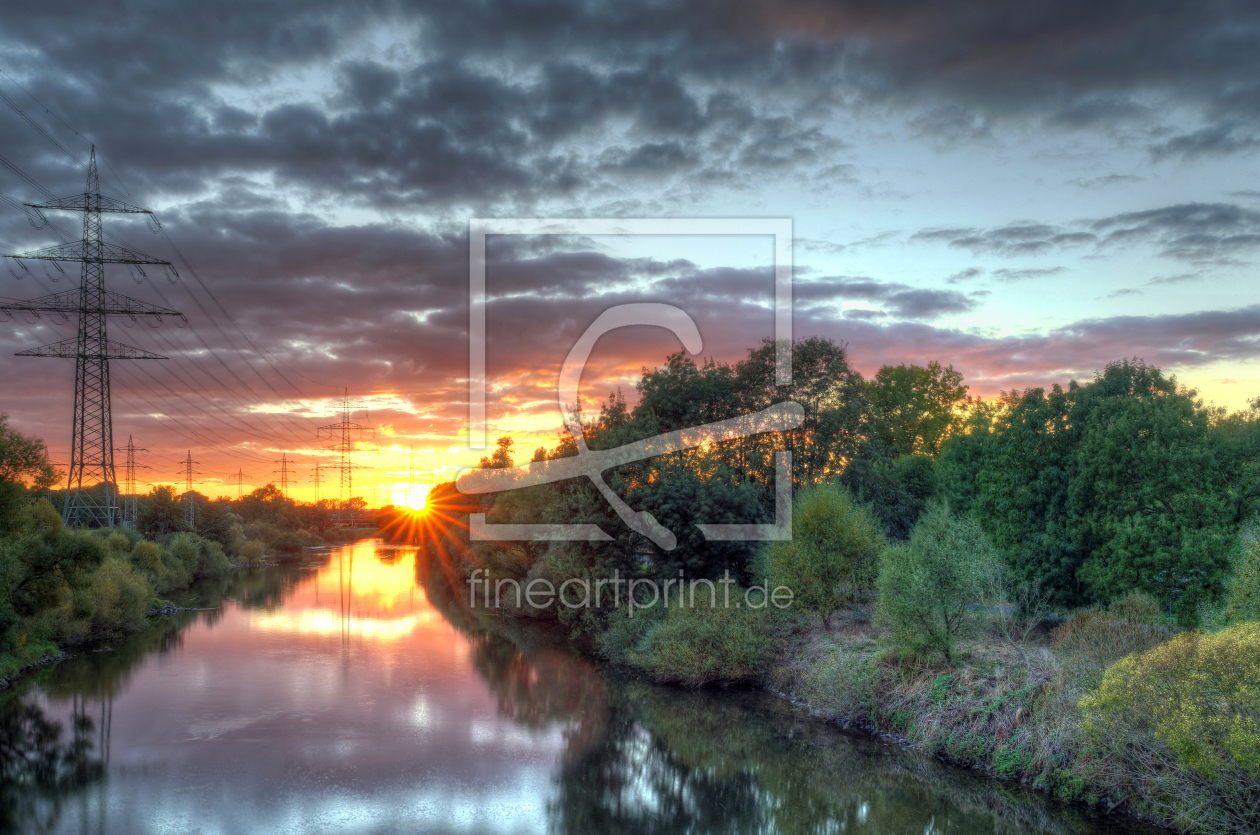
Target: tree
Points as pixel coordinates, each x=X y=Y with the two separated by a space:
x=930 y=588
x=833 y=554
x=24 y=458
x=917 y=405
x=160 y=514
x=839 y=420
x=1154 y=512
x=501 y=459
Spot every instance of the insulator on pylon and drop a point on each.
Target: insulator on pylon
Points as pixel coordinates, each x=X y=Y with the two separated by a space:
x=54 y=275
x=25 y=270
x=154 y=226
x=172 y=274
x=36 y=218
x=132 y=269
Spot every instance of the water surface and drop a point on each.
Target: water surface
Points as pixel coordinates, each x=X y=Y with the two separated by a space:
x=351 y=694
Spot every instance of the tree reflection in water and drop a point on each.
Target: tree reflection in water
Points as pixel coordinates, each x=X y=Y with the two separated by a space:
x=674 y=762
x=40 y=766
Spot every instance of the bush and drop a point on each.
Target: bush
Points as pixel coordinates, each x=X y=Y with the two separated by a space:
x=288 y=543
x=119 y=595
x=1188 y=714
x=843 y=684
x=833 y=555
x=147 y=556
x=1091 y=640
x=1243 y=603
x=252 y=552
x=931 y=588
x=1135 y=607
x=698 y=645
x=211 y=559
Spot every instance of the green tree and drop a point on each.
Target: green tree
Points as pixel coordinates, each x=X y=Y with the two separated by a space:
x=1154 y=509
x=160 y=514
x=833 y=555
x=931 y=588
x=917 y=405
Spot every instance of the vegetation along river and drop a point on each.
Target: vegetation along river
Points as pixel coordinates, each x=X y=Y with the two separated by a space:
x=344 y=695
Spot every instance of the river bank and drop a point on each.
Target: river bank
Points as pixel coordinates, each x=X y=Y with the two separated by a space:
x=1066 y=706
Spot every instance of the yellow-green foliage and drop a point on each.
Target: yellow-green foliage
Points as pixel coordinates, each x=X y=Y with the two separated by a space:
x=1244 y=586
x=251 y=551
x=119 y=595
x=1199 y=695
x=147 y=556
x=696 y=645
x=833 y=554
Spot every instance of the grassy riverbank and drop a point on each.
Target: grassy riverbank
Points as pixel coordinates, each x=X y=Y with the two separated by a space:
x=1114 y=706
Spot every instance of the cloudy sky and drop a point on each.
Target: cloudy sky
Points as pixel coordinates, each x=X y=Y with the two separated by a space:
x=1026 y=191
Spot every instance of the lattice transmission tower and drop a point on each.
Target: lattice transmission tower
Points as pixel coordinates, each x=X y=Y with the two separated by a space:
x=317 y=479
x=344 y=433
x=190 y=506
x=283 y=473
x=240 y=483
x=129 y=498
x=92 y=443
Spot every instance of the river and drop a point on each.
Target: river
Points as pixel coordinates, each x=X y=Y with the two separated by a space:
x=346 y=694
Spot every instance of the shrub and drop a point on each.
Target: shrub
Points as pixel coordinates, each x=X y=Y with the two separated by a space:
x=698 y=645
x=288 y=543
x=833 y=555
x=119 y=595
x=1135 y=607
x=1243 y=603
x=211 y=559
x=180 y=560
x=843 y=684
x=1188 y=714
x=930 y=588
x=147 y=556
x=1091 y=640
x=252 y=552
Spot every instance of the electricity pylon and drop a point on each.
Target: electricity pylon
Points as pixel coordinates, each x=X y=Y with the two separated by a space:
x=317 y=478
x=240 y=483
x=92 y=443
x=129 y=483
x=284 y=473
x=189 y=505
x=344 y=434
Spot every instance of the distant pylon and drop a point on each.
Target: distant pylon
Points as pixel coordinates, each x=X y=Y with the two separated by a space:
x=284 y=473
x=92 y=440
x=129 y=483
x=189 y=504
x=344 y=432
x=240 y=483
x=317 y=478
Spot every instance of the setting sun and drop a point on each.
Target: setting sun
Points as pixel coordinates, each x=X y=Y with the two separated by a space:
x=416 y=498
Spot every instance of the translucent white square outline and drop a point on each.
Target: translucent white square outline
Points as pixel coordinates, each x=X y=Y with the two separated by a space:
x=478 y=228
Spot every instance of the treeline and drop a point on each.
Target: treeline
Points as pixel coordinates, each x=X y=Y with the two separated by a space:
x=1060 y=586
x=60 y=587
x=1125 y=482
